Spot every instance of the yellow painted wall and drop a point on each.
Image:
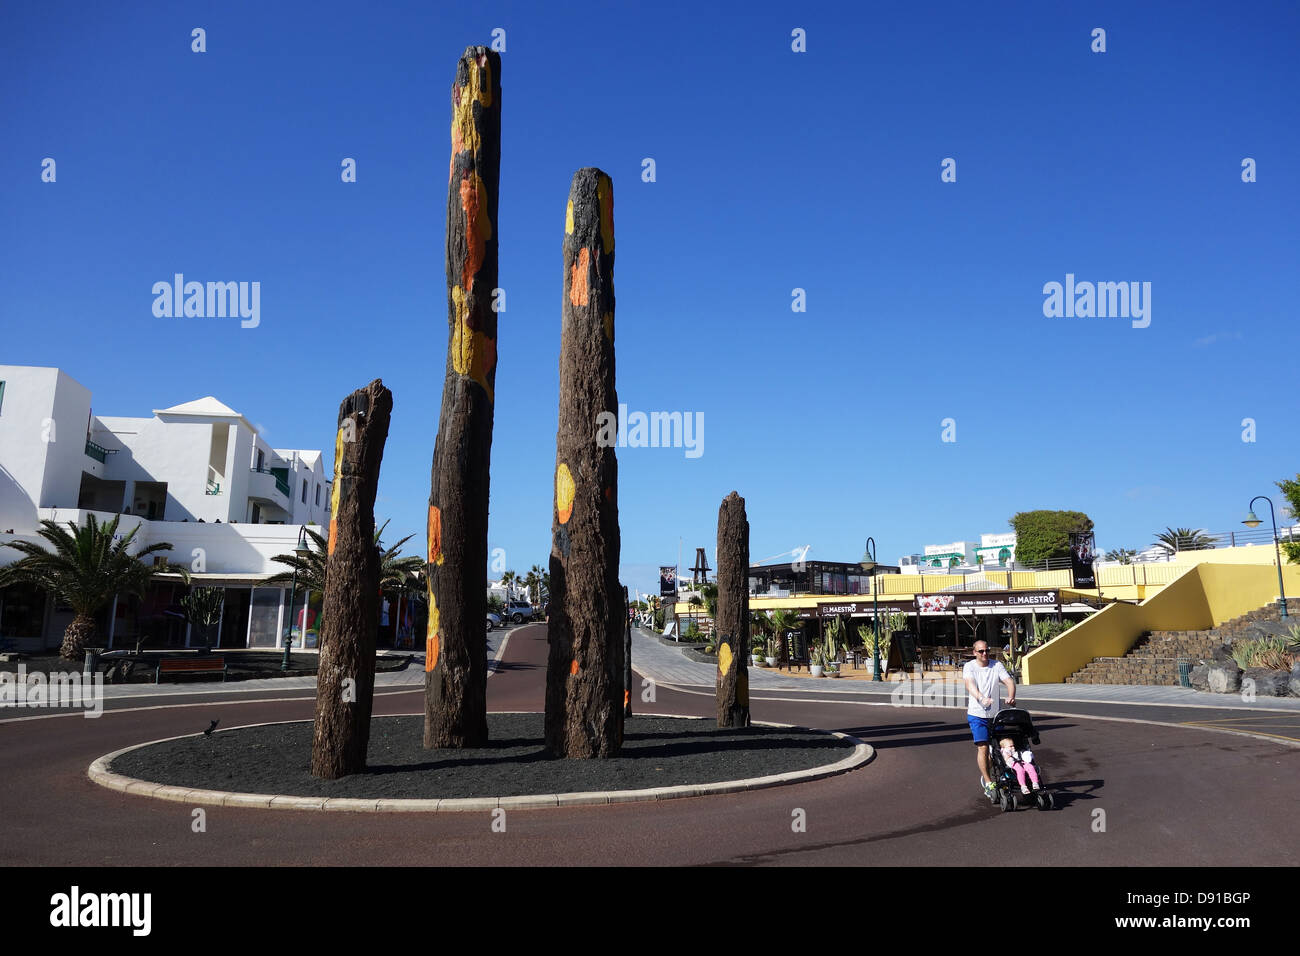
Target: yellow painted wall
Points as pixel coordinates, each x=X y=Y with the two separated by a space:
x=1207 y=595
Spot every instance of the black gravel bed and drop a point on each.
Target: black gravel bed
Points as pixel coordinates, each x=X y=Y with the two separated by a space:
x=657 y=752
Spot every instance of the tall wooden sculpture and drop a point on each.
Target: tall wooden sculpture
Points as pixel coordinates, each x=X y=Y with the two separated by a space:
x=455 y=710
x=584 y=676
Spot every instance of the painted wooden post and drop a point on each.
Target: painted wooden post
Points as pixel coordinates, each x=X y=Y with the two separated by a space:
x=584 y=675
x=455 y=705
x=345 y=680
x=733 y=613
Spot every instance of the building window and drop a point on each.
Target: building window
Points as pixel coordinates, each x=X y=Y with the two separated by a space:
x=304 y=491
x=261 y=460
x=318 y=494
x=2 y=396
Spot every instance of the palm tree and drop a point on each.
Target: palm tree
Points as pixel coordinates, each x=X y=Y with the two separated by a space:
x=85 y=570
x=396 y=572
x=709 y=590
x=1122 y=555
x=508 y=581
x=535 y=580
x=310 y=569
x=1173 y=540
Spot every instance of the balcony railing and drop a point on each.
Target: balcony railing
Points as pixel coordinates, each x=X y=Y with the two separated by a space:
x=97 y=452
x=281 y=484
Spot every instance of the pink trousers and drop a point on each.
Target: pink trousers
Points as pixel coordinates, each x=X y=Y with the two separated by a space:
x=1021 y=769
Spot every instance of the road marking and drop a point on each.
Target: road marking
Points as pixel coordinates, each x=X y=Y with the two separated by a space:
x=1287 y=741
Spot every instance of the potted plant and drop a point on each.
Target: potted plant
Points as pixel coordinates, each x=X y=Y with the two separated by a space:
x=773 y=649
x=817 y=661
x=756 y=651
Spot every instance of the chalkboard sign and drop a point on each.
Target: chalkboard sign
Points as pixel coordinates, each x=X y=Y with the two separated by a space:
x=902 y=651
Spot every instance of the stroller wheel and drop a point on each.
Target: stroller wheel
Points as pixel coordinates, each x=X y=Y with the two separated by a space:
x=1005 y=801
x=1049 y=801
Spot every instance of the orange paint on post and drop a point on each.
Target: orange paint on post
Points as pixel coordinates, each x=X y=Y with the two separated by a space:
x=431 y=653
x=573 y=668
x=578 y=292
x=627 y=695
x=478 y=228
x=435 y=535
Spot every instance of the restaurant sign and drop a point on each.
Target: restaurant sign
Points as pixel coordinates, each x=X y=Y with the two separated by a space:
x=975 y=599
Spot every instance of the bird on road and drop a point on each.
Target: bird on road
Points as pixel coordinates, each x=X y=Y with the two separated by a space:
x=211 y=727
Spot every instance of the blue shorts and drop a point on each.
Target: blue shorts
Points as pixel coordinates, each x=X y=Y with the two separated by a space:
x=980 y=726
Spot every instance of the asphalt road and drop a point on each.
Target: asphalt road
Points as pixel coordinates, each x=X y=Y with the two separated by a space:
x=1129 y=794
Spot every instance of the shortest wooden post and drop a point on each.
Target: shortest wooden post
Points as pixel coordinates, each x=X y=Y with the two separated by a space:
x=345 y=681
x=732 y=632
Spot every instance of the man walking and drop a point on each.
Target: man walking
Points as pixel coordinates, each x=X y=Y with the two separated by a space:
x=984 y=683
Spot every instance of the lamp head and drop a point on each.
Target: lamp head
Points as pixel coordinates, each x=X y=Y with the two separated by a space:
x=1251 y=521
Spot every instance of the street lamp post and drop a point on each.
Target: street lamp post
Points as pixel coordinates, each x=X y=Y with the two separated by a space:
x=868 y=563
x=302 y=552
x=1252 y=522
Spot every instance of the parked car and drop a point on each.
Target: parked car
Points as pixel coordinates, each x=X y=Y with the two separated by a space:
x=493 y=621
x=519 y=611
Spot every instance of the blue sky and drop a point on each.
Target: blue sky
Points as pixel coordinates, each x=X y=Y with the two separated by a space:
x=775 y=170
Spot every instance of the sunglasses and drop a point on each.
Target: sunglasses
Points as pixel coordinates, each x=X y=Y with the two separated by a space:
x=982 y=650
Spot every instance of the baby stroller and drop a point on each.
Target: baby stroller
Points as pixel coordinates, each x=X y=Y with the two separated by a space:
x=1017 y=725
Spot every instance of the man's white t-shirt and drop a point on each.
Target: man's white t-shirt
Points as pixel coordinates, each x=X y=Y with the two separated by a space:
x=988 y=681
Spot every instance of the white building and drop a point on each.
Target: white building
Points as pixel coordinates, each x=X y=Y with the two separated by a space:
x=994 y=552
x=196 y=475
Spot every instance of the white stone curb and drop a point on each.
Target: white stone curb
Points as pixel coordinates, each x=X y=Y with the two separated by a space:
x=100 y=774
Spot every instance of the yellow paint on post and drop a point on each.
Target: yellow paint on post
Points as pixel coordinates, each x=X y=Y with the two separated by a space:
x=472 y=352
x=431 y=644
x=564 y=493
x=568 y=219
x=335 y=491
x=464 y=135
x=724 y=658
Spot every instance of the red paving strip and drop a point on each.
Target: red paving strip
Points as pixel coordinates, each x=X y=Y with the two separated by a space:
x=1162 y=790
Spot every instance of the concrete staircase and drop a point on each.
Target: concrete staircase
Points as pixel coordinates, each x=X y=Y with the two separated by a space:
x=1154 y=658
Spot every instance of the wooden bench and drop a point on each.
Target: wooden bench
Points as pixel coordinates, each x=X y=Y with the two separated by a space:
x=207 y=664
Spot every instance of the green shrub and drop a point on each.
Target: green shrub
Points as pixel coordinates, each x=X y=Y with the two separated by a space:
x=708 y=648
x=1048 y=630
x=1270 y=652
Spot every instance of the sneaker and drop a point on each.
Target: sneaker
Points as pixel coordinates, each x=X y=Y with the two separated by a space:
x=988 y=788
x=1036 y=786
x=1025 y=791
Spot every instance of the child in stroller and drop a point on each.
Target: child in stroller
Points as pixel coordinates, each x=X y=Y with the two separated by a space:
x=1014 y=730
